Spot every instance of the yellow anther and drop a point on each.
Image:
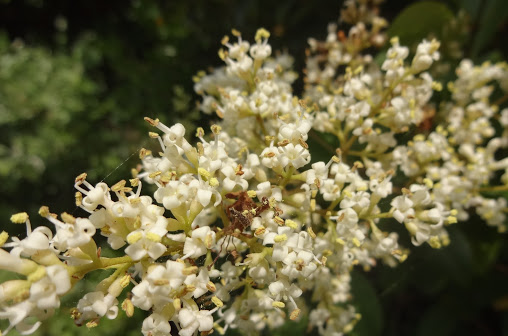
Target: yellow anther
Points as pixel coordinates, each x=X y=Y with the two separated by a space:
x=238 y=170
x=134 y=237
x=190 y=270
x=37 y=275
x=278 y=220
x=80 y=178
x=292 y=224
x=428 y=183
x=190 y=288
x=118 y=186
x=437 y=86
x=79 y=198
x=211 y=286
x=177 y=304
x=143 y=152
x=313 y=204
x=125 y=281
x=280 y=238
x=213 y=182
x=200 y=132
x=137 y=222
x=153 y=122
x=215 y=129
x=205 y=174
x=216 y=301
x=311 y=233
x=261 y=33
x=128 y=307
x=259 y=231
x=3 y=238
x=153 y=237
x=278 y=304
x=68 y=218
x=434 y=242
x=153 y=135
x=151 y=175
x=161 y=282
x=294 y=314
x=356 y=242
x=44 y=211
x=222 y=54
x=134 y=182
x=283 y=143
x=208 y=241
x=92 y=324
x=19 y=218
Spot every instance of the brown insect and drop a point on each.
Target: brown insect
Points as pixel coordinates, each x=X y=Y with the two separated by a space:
x=240 y=214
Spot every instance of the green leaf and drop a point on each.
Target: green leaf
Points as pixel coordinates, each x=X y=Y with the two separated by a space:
x=366 y=301
x=441 y=319
x=494 y=15
x=418 y=20
x=471 y=6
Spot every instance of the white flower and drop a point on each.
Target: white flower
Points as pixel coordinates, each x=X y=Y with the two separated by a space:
x=403 y=208
x=16 y=314
x=297 y=156
x=144 y=242
x=200 y=282
x=70 y=235
x=173 y=194
x=357 y=200
x=201 y=240
x=96 y=304
x=282 y=290
x=233 y=178
x=45 y=292
x=155 y=288
x=298 y=264
x=156 y=325
x=95 y=195
x=426 y=53
x=193 y=319
x=36 y=240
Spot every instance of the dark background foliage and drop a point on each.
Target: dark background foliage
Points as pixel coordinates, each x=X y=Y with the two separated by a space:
x=77 y=78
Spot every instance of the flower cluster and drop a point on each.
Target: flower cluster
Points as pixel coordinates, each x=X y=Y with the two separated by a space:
x=245 y=221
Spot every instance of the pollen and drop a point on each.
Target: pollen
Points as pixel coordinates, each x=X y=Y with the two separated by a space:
x=278 y=304
x=134 y=237
x=19 y=218
x=216 y=301
x=280 y=238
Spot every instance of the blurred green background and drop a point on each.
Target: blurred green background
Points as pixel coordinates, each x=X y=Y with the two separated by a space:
x=77 y=78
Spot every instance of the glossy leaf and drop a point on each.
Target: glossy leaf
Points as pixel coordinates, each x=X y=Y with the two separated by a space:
x=417 y=21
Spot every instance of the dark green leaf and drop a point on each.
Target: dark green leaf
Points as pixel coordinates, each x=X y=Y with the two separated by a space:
x=494 y=14
x=417 y=21
x=366 y=301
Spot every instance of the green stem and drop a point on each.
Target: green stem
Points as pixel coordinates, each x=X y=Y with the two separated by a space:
x=101 y=263
x=494 y=188
x=288 y=176
x=382 y=215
